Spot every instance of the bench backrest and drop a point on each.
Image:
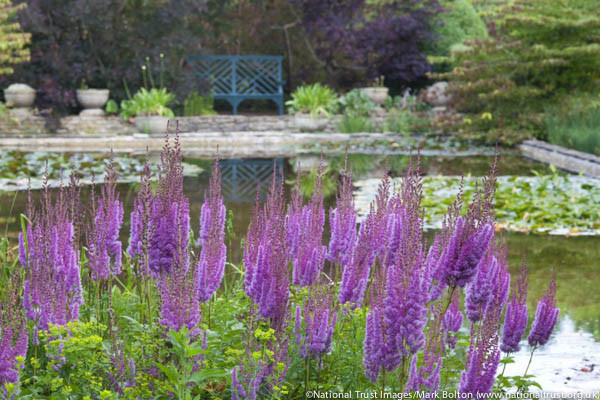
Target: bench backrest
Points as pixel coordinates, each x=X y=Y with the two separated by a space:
x=240 y=75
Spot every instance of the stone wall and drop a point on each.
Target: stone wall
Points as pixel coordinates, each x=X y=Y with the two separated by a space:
x=19 y=123
x=113 y=125
x=243 y=123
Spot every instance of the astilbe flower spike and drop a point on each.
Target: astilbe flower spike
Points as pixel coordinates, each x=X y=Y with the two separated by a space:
x=515 y=319
x=465 y=239
x=52 y=291
x=304 y=227
x=169 y=219
x=479 y=290
x=319 y=316
x=369 y=243
x=266 y=257
x=401 y=284
x=484 y=352
x=342 y=222
x=453 y=320
x=140 y=224
x=212 y=238
x=104 y=246
x=546 y=316
x=427 y=376
x=169 y=253
x=13 y=333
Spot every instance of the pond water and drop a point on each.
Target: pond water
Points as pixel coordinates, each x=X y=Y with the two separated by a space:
x=570 y=362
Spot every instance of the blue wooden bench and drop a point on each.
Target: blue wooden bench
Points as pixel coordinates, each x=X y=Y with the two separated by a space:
x=239 y=78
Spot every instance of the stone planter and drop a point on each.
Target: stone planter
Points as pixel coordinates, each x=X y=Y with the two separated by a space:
x=19 y=96
x=154 y=124
x=306 y=123
x=377 y=94
x=92 y=101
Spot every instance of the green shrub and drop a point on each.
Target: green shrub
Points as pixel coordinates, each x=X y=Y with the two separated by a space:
x=314 y=99
x=461 y=22
x=576 y=126
x=541 y=51
x=195 y=104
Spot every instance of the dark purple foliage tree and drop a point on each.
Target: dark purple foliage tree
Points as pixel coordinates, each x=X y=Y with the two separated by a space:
x=100 y=43
x=362 y=40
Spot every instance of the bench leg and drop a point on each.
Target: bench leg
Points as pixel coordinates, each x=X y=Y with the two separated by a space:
x=234 y=104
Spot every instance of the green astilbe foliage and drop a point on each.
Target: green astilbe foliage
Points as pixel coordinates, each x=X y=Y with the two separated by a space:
x=538 y=51
x=148 y=102
x=315 y=99
x=13 y=40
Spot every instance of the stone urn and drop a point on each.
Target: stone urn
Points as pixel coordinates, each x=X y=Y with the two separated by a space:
x=92 y=101
x=309 y=123
x=377 y=94
x=153 y=124
x=19 y=96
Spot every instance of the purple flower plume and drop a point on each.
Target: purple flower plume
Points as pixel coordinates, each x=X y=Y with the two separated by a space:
x=212 y=238
x=453 y=320
x=104 y=246
x=266 y=257
x=304 y=226
x=319 y=317
x=427 y=376
x=401 y=285
x=140 y=226
x=546 y=316
x=515 y=319
x=52 y=290
x=168 y=252
x=342 y=222
x=484 y=352
x=13 y=333
x=479 y=290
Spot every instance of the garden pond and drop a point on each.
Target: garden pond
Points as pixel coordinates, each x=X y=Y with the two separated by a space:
x=535 y=200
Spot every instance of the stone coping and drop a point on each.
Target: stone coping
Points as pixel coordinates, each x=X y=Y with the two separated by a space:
x=561 y=157
x=237 y=144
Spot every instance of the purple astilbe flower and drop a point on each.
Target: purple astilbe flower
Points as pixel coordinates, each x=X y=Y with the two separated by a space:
x=374 y=342
x=104 y=246
x=371 y=242
x=140 y=225
x=355 y=274
x=483 y=357
x=484 y=352
x=13 y=333
x=342 y=222
x=52 y=291
x=515 y=319
x=238 y=392
x=304 y=226
x=428 y=375
x=479 y=290
x=319 y=316
x=212 y=238
x=465 y=239
x=453 y=320
x=169 y=219
x=178 y=288
x=546 y=316
x=401 y=285
x=266 y=259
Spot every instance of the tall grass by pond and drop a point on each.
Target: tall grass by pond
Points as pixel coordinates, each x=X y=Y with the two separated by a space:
x=167 y=315
x=576 y=127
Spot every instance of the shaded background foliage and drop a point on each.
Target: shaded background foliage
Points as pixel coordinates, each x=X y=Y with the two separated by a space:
x=103 y=43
